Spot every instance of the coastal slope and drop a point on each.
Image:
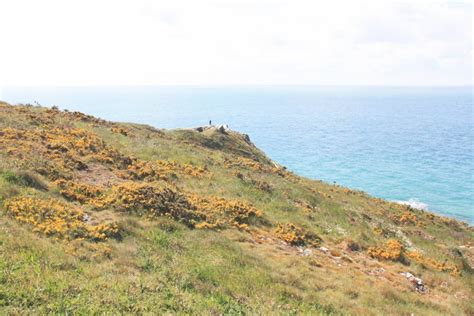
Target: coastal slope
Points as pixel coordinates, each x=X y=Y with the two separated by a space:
x=98 y=216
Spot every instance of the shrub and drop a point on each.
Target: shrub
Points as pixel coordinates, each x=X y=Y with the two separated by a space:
x=391 y=251
x=161 y=170
x=54 y=218
x=432 y=263
x=80 y=192
x=56 y=152
x=153 y=200
x=219 y=212
x=409 y=218
x=296 y=236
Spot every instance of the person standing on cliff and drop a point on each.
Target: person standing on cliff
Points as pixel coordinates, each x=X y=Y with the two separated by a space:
x=210 y=122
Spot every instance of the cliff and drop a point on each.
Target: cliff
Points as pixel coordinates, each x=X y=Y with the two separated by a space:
x=98 y=216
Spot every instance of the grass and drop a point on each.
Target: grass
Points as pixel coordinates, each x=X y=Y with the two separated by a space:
x=160 y=265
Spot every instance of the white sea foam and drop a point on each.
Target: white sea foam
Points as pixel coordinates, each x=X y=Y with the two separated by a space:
x=415 y=203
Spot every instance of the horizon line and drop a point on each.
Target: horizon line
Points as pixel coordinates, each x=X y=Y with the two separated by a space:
x=239 y=85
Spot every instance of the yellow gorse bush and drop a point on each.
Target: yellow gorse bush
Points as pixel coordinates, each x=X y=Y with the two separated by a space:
x=61 y=150
x=80 y=192
x=391 y=251
x=394 y=251
x=145 y=170
x=254 y=165
x=409 y=218
x=151 y=200
x=55 y=218
x=445 y=266
x=244 y=162
x=220 y=213
x=93 y=195
x=161 y=170
x=185 y=169
x=120 y=130
x=296 y=236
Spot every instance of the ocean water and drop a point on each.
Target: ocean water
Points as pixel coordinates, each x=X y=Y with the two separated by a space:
x=405 y=144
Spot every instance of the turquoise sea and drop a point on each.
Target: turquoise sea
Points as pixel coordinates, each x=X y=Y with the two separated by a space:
x=404 y=144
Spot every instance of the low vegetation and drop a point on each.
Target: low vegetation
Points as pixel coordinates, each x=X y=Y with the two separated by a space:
x=101 y=217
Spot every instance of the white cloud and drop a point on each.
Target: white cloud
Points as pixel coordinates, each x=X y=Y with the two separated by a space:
x=57 y=42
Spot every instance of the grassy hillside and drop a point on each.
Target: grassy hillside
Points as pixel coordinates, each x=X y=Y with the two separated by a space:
x=99 y=217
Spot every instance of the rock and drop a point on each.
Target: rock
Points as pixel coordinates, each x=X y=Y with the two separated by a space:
x=417 y=282
x=324 y=249
x=352 y=246
x=408 y=275
x=376 y=271
x=304 y=252
x=246 y=138
x=223 y=128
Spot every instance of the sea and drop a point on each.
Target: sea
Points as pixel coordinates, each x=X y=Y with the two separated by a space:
x=404 y=144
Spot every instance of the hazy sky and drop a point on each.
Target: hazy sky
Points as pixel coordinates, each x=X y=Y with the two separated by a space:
x=104 y=42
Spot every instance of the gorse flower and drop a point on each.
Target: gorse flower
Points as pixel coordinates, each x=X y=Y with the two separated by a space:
x=59 y=151
x=296 y=236
x=81 y=192
x=161 y=170
x=54 y=218
x=152 y=200
x=220 y=213
x=392 y=251
x=445 y=266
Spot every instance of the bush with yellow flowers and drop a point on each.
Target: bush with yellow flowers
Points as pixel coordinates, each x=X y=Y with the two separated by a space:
x=55 y=218
x=409 y=218
x=184 y=169
x=119 y=130
x=53 y=114
x=391 y=251
x=296 y=236
x=161 y=170
x=146 y=170
x=58 y=151
x=219 y=213
x=245 y=163
x=151 y=199
x=431 y=263
x=80 y=192
x=242 y=162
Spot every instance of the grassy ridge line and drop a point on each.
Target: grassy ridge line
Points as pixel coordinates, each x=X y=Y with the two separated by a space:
x=268 y=265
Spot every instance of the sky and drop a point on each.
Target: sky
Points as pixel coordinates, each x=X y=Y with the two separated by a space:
x=247 y=42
